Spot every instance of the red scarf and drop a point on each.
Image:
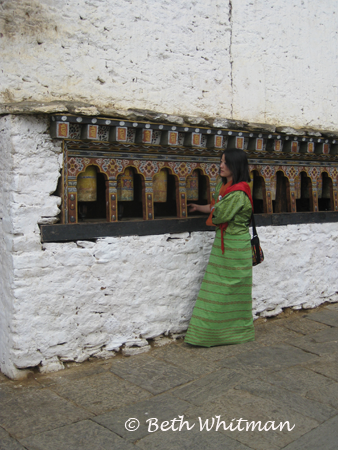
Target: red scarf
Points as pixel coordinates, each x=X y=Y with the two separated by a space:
x=242 y=186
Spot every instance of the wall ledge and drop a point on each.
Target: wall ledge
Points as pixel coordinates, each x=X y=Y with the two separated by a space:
x=92 y=231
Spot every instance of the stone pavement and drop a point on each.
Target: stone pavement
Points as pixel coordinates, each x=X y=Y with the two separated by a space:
x=289 y=375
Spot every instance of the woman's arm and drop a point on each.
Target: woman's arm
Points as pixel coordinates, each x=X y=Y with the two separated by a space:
x=201 y=208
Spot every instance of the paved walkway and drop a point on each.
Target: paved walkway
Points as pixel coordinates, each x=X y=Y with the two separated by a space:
x=289 y=375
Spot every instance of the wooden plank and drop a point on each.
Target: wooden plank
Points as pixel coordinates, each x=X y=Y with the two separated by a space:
x=92 y=231
x=304 y=217
x=85 y=231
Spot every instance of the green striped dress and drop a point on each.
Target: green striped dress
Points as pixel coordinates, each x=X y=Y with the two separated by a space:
x=223 y=310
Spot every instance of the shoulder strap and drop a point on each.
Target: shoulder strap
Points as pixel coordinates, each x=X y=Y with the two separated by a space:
x=254 y=231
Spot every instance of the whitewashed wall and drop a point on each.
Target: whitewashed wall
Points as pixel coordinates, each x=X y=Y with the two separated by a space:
x=269 y=61
x=68 y=301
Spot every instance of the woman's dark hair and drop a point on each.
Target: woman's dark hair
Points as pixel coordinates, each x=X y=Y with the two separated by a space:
x=237 y=163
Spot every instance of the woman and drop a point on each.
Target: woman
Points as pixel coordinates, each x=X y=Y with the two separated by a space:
x=223 y=310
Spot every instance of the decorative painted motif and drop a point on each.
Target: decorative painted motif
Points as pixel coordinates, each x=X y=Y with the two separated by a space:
x=62 y=130
x=92 y=132
x=131 y=133
x=326 y=149
x=278 y=145
x=149 y=168
x=196 y=139
x=310 y=147
x=74 y=131
x=156 y=139
x=147 y=136
x=75 y=165
x=218 y=141
x=294 y=147
x=103 y=133
x=240 y=143
x=182 y=169
x=172 y=138
x=259 y=144
x=111 y=166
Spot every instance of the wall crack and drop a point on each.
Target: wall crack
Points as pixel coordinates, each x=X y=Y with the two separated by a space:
x=231 y=62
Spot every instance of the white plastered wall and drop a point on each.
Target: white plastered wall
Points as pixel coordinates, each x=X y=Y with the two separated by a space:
x=68 y=301
x=271 y=61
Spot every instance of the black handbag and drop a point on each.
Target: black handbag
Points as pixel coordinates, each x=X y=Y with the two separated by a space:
x=257 y=252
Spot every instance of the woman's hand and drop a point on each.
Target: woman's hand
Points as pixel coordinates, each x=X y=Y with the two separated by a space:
x=201 y=208
x=193 y=207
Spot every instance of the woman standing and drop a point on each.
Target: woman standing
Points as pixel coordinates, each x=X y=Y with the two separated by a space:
x=223 y=310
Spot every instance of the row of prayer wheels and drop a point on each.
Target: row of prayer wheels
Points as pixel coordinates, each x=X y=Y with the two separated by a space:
x=87 y=186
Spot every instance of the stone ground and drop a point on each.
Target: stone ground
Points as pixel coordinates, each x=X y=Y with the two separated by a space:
x=290 y=373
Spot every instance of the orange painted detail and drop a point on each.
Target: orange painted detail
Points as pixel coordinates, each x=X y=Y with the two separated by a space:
x=218 y=141
x=92 y=131
x=173 y=137
x=147 y=136
x=259 y=144
x=278 y=146
x=196 y=139
x=63 y=130
x=121 y=134
x=294 y=147
x=240 y=143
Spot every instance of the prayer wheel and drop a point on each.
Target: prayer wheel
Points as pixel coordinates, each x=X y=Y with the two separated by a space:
x=125 y=186
x=192 y=186
x=160 y=186
x=87 y=185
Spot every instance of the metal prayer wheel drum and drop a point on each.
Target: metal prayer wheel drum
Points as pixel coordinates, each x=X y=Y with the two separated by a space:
x=160 y=186
x=192 y=186
x=125 y=186
x=87 y=185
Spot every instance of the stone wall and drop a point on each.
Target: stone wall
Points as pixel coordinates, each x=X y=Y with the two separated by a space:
x=266 y=61
x=6 y=260
x=68 y=301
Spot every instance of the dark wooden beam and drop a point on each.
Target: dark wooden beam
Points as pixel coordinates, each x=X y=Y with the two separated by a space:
x=92 y=231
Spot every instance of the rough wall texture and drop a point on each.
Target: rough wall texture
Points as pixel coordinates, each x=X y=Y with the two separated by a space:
x=6 y=260
x=67 y=301
x=27 y=154
x=264 y=61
